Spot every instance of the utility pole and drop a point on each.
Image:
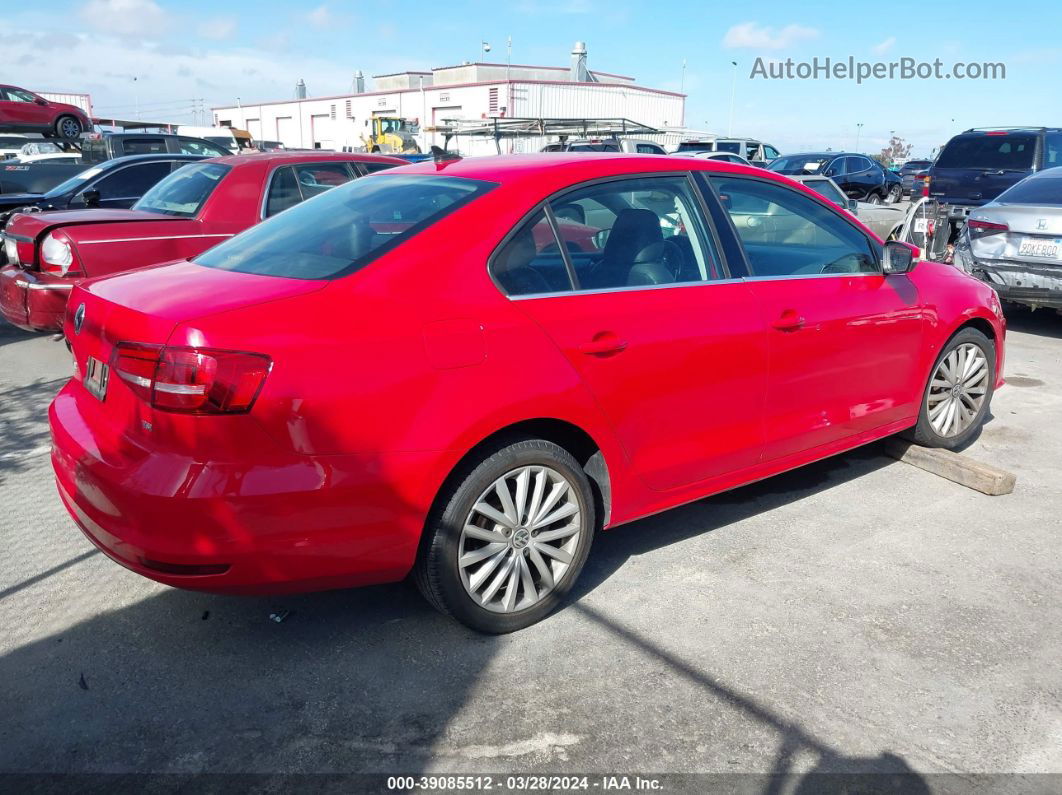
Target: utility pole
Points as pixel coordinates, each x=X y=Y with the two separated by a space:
x=859 y=131
x=733 y=91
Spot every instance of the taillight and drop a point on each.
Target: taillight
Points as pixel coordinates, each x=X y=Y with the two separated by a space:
x=192 y=380
x=982 y=228
x=57 y=255
x=925 y=185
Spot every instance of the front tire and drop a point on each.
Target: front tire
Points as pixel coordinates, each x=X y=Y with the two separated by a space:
x=510 y=538
x=873 y=198
x=68 y=128
x=959 y=393
x=894 y=195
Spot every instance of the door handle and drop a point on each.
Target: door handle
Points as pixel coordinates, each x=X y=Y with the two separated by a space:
x=789 y=320
x=603 y=345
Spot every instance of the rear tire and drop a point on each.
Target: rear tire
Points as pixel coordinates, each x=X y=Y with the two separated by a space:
x=68 y=128
x=959 y=393
x=873 y=198
x=499 y=576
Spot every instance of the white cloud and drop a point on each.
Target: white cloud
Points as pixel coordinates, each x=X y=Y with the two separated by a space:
x=321 y=17
x=883 y=47
x=753 y=36
x=218 y=28
x=126 y=17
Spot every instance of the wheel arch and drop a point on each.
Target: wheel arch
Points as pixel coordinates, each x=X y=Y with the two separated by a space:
x=573 y=438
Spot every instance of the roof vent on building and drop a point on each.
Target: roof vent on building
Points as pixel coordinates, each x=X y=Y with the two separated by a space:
x=300 y=89
x=359 y=82
x=579 y=71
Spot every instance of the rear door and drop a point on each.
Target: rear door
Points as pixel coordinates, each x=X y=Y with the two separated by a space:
x=843 y=337
x=631 y=288
x=21 y=108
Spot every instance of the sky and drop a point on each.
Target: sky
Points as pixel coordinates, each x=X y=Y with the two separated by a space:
x=171 y=59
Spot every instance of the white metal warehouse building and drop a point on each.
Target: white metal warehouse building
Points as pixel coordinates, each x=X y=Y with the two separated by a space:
x=467 y=91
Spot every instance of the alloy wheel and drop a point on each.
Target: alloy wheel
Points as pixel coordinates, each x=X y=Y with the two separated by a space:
x=70 y=128
x=520 y=538
x=957 y=390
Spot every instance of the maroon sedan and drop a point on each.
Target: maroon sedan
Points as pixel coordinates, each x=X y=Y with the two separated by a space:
x=24 y=111
x=186 y=213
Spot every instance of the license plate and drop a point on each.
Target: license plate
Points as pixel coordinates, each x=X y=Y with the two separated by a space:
x=1031 y=247
x=96 y=377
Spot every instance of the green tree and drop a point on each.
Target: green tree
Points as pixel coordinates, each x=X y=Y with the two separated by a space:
x=897 y=150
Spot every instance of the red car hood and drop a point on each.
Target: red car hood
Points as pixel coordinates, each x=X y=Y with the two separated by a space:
x=182 y=291
x=33 y=224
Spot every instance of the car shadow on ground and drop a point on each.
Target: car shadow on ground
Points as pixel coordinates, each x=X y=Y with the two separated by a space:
x=24 y=434
x=364 y=680
x=11 y=334
x=613 y=548
x=1044 y=322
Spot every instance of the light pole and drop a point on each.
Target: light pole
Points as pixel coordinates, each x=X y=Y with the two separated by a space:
x=859 y=131
x=733 y=90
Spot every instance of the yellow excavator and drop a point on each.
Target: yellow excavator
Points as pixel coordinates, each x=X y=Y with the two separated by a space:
x=391 y=135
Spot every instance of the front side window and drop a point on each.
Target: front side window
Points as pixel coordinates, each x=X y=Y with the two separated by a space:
x=770 y=152
x=627 y=233
x=344 y=229
x=18 y=95
x=372 y=168
x=649 y=149
x=195 y=146
x=127 y=182
x=184 y=192
x=785 y=233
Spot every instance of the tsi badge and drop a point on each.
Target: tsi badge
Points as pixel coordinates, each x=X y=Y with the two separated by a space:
x=79 y=319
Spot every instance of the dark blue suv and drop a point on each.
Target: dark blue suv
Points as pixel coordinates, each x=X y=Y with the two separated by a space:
x=976 y=166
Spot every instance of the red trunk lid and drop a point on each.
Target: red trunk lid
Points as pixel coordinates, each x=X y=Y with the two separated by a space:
x=34 y=224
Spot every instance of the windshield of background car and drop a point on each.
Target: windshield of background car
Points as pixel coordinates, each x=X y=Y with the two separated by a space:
x=796 y=164
x=989 y=152
x=1042 y=191
x=73 y=183
x=344 y=229
x=605 y=147
x=184 y=191
x=826 y=189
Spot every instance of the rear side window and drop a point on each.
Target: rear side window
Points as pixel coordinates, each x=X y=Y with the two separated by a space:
x=143 y=146
x=1033 y=190
x=283 y=191
x=315 y=178
x=632 y=233
x=1052 y=150
x=649 y=149
x=344 y=229
x=372 y=168
x=989 y=151
x=785 y=233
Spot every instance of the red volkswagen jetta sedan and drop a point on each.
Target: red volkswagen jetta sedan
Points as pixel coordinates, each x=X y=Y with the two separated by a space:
x=464 y=369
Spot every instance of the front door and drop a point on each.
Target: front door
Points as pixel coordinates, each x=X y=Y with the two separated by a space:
x=841 y=333
x=21 y=108
x=635 y=296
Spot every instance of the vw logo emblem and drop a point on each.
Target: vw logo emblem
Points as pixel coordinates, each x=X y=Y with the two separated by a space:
x=79 y=319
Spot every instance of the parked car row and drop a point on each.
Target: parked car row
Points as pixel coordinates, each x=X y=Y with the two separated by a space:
x=435 y=368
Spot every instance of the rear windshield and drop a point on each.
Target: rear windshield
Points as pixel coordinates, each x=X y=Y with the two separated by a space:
x=825 y=188
x=1041 y=190
x=344 y=229
x=605 y=147
x=695 y=146
x=989 y=151
x=801 y=164
x=734 y=147
x=914 y=166
x=183 y=192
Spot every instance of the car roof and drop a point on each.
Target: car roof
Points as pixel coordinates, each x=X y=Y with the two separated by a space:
x=553 y=169
x=117 y=161
x=279 y=158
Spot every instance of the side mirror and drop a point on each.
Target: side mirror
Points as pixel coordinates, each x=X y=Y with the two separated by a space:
x=40 y=101
x=853 y=206
x=899 y=257
x=92 y=198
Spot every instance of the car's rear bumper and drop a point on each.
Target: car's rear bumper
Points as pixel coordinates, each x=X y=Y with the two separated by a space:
x=33 y=301
x=293 y=523
x=1025 y=283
